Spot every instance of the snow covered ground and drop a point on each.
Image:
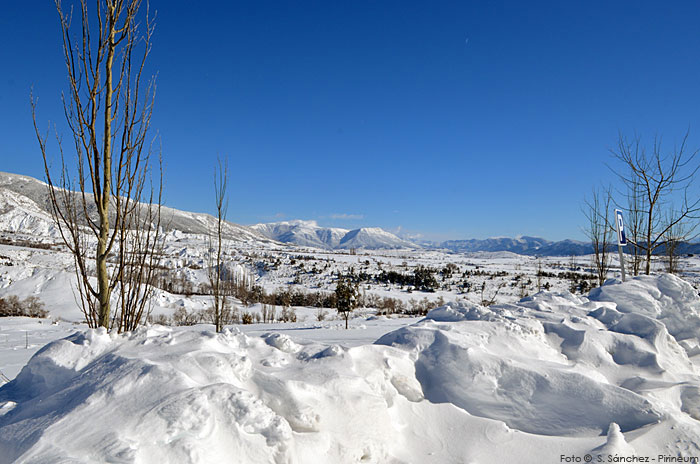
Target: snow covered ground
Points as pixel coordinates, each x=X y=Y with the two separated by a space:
x=550 y=377
x=22 y=337
x=548 y=373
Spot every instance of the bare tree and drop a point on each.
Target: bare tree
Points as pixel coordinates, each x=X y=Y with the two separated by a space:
x=216 y=264
x=139 y=251
x=597 y=210
x=658 y=178
x=675 y=236
x=99 y=210
x=635 y=224
x=488 y=301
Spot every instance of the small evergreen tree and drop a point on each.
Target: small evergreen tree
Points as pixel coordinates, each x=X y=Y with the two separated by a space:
x=346 y=297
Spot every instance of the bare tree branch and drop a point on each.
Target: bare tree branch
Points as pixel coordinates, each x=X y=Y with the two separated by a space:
x=101 y=215
x=653 y=182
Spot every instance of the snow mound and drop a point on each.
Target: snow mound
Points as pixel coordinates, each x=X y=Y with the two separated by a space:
x=488 y=372
x=665 y=298
x=453 y=312
x=167 y=395
x=562 y=365
x=550 y=375
x=615 y=445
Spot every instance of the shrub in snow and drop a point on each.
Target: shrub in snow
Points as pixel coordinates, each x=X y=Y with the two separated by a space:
x=160 y=319
x=288 y=315
x=184 y=317
x=246 y=318
x=30 y=307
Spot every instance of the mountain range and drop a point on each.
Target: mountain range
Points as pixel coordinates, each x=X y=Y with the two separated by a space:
x=309 y=233
x=521 y=245
x=25 y=210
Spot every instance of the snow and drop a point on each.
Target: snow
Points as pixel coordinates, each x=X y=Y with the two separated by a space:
x=640 y=306
x=25 y=209
x=309 y=233
x=551 y=375
x=615 y=444
x=22 y=337
x=532 y=378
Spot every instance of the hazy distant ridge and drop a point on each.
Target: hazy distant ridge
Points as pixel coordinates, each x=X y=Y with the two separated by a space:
x=531 y=246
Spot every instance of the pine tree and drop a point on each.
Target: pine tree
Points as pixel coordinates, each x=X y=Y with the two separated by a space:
x=346 y=298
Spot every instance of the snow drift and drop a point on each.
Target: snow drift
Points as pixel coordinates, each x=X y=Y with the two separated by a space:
x=552 y=375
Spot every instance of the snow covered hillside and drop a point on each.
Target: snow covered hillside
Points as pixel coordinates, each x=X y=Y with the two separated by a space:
x=613 y=374
x=25 y=209
x=22 y=211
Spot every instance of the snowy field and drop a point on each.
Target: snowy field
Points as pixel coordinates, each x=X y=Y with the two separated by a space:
x=611 y=374
x=506 y=358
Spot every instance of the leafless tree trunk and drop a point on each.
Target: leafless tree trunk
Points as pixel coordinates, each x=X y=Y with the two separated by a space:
x=108 y=111
x=597 y=210
x=219 y=289
x=658 y=178
x=139 y=253
x=675 y=236
x=635 y=224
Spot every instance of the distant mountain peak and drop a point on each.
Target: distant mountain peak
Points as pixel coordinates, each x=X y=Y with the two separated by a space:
x=309 y=233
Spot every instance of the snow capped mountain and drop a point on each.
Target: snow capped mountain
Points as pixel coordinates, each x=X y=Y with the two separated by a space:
x=303 y=233
x=371 y=238
x=25 y=209
x=309 y=233
x=203 y=224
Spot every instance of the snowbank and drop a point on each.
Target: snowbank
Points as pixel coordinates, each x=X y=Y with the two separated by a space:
x=551 y=375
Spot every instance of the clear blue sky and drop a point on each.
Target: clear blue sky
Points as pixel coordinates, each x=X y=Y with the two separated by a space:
x=449 y=119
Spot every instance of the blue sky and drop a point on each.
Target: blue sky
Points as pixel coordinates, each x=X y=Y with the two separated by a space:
x=446 y=119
